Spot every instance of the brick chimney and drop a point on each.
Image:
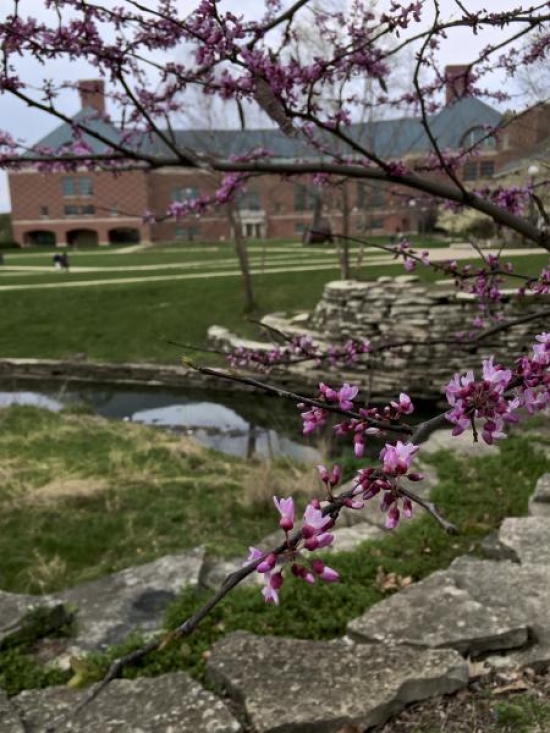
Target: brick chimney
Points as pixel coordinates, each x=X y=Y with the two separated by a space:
x=92 y=94
x=456 y=82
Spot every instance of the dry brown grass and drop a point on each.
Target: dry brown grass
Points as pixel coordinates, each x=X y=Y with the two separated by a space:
x=183 y=446
x=66 y=488
x=44 y=572
x=266 y=479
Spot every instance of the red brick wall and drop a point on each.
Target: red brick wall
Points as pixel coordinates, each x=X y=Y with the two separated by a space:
x=30 y=190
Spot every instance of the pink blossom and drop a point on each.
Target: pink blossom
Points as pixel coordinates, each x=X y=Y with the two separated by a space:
x=345 y=395
x=253 y=555
x=324 y=572
x=314 y=522
x=397 y=458
x=274 y=582
x=392 y=517
x=404 y=405
x=313 y=419
x=286 y=510
x=268 y=564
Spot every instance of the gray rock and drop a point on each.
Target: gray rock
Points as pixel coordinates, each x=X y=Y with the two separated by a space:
x=215 y=572
x=166 y=704
x=292 y=686
x=524 y=590
x=347 y=539
x=10 y=722
x=110 y=608
x=436 y=614
x=539 y=503
x=528 y=537
x=14 y=608
x=538 y=508
x=493 y=549
x=536 y=656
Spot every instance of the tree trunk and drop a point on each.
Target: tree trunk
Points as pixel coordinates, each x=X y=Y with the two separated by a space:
x=344 y=242
x=242 y=256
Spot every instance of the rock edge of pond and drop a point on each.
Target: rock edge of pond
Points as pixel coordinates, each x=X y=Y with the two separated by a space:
x=138 y=374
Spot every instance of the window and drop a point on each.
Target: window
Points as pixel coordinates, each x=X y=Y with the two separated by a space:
x=71 y=186
x=304 y=198
x=182 y=193
x=370 y=195
x=72 y=210
x=68 y=186
x=114 y=211
x=376 y=224
x=84 y=186
x=477 y=137
x=469 y=172
x=299 y=228
x=44 y=212
x=487 y=168
x=250 y=200
x=377 y=196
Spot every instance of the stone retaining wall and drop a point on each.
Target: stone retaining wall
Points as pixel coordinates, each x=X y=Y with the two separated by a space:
x=401 y=308
x=391 y=310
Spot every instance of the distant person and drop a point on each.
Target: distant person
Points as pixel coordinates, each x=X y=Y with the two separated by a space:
x=65 y=261
x=57 y=263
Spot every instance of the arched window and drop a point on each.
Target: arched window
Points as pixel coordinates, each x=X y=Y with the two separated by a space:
x=477 y=137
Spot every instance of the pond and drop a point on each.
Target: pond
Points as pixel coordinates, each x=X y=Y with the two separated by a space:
x=238 y=423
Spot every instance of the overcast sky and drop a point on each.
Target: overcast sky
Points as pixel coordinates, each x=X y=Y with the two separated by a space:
x=31 y=125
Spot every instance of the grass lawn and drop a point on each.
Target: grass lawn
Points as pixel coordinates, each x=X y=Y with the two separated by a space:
x=82 y=496
x=127 y=321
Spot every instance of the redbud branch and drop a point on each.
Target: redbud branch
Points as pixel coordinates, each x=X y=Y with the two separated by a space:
x=431 y=508
x=424 y=429
x=187 y=627
x=280 y=392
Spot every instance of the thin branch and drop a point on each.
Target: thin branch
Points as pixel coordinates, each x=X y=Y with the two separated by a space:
x=187 y=627
x=280 y=392
x=431 y=508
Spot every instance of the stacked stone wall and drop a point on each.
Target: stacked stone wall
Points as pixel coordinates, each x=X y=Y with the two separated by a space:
x=392 y=310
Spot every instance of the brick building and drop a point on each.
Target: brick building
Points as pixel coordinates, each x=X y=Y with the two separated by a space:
x=104 y=208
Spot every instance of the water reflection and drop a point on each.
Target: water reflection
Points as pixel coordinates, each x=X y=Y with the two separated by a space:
x=229 y=429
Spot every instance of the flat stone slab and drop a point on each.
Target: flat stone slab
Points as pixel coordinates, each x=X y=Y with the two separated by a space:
x=113 y=606
x=436 y=614
x=293 y=686
x=539 y=502
x=172 y=703
x=528 y=538
x=541 y=495
x=347 y=539
x=215 y=572
x=524 y=590
x=13 y=608
x=10 y=721
x=110 y=608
